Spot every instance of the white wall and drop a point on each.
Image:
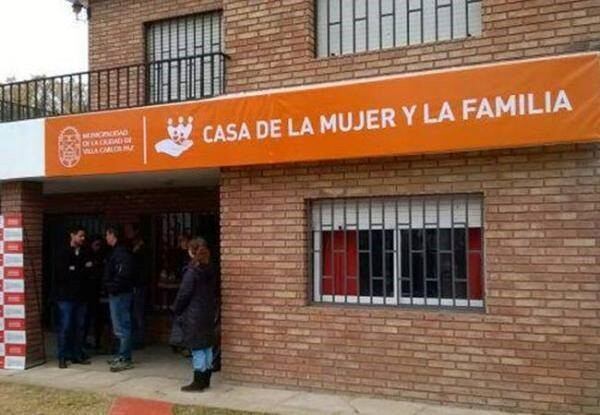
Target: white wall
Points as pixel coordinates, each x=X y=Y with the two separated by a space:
x=22 y=149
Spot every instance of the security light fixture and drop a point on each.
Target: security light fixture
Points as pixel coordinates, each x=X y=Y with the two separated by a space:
x=78 y=7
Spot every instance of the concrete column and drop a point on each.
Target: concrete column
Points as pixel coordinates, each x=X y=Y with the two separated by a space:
x=26 y=198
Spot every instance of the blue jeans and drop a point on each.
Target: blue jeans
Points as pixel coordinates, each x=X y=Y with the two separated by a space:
x=202 y=359
x=120 y=314
x=70 y=329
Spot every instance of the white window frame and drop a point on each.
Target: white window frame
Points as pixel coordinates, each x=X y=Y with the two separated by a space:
x=360 y=299
x=182 y=45
x=353 y=26
x=317 y=229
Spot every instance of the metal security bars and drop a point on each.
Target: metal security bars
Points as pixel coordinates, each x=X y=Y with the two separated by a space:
x=184 y=79
x=171 y=256
x=191 y=41
x=114 y=88
x=414 y=251
x=351 y=26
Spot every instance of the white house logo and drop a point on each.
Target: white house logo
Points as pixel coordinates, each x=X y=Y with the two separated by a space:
x=179 y=138
x=69 y=147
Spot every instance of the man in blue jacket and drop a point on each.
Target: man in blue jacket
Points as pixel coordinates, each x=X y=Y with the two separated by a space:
x=119 y=280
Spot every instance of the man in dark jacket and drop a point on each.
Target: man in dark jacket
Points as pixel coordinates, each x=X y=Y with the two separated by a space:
x=97 y=316
x=71 y=279
x=119 y=279
x=142 y=275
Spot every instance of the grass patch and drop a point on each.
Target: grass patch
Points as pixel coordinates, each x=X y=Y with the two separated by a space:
x=33 y=400
x=195 y=410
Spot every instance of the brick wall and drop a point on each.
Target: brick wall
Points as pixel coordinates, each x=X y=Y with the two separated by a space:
x=25 y=198
x=116 y=31
x=536 y=347
x=283 y=54
x=271 y=43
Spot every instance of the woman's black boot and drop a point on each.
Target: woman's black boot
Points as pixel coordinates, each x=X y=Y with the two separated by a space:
x=207 y=376
x=198 y=384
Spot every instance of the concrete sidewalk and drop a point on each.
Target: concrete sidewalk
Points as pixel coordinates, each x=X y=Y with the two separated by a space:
x=159 y=375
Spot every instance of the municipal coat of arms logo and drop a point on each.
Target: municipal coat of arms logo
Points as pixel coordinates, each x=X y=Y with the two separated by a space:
x=69 y=147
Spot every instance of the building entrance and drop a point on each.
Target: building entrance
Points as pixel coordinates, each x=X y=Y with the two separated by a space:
x=165 y=231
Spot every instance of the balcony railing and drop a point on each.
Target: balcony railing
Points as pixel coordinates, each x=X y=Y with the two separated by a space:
x=172 y=80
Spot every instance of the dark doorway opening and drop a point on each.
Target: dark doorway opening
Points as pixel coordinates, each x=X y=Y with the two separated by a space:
x=161 y=232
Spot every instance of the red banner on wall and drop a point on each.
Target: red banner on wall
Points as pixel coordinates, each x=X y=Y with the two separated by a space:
x=525 y=103
x=12 y=294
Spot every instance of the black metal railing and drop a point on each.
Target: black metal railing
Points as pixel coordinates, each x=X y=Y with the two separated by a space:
x=171 y=80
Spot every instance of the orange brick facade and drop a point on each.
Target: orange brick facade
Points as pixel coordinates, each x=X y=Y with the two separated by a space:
x=272 y=43
x=536 y=348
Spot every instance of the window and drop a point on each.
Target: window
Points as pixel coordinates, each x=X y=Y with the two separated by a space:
x=168 y=255
x=351 y=26
x=185 y=58
x=424 y=251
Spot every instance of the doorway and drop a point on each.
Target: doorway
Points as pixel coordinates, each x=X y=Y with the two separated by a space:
x=161 y=232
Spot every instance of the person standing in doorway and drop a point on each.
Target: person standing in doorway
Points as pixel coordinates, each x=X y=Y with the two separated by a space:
x=72 y=277
x=194 y=306
x=182 y=257
x=119 y=276
x=97 y=316
x=140 y=257
x=180 y=261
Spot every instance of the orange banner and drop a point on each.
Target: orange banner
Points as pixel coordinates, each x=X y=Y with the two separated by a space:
x=545 y=101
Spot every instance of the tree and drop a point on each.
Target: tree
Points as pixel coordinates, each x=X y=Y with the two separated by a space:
x=43 y=97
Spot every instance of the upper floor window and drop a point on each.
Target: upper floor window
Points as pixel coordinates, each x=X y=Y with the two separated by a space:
x=185 y=58
x=351 y=26
x=421 y=250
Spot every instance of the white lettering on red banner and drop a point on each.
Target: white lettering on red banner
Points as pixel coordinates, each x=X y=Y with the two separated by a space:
x=13 y=338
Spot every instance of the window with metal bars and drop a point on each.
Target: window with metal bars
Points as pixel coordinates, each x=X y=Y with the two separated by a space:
x=352 y=26
x=171 y=256
x=185 y=58
x=421 y=250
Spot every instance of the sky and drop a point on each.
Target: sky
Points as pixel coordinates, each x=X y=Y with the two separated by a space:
x=40 y=37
